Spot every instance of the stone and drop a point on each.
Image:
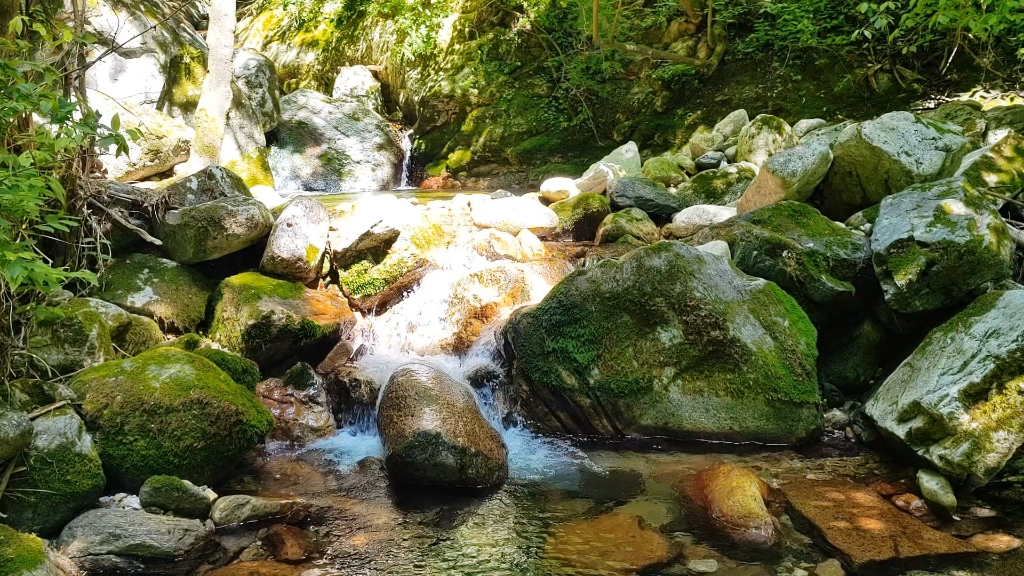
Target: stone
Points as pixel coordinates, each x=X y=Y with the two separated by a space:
x=615 y=350
x=213 y=229
x=836 y=419
x=272 y=321
x=998 y=168
x=720 y=187
x=732 y=124
x=513 y=215
x=869 y=534
x=257 y=81
x=434 y=434
x=954 y=400
x=63 y=475
x=685 y=162
x=301 y=414
x=664 y=171
x=808 y=125
x=558 y=189
x=27 y=555
x=595 y=180
x=132 y=404
x=333 y=146
x=165 y=143
x=995 y=543
x=696 y=218
x=297 y=241
x=242 y=370
x=495 y=245
x=966 y=114
x=703 y=566
x=792 y=174
x=242 y=509
x=858 y=354
x=255 y=110
x=579 y=217
x=104 y=541
x=173 y=295
x=710 y=160
x=1002 y=120
x=180 y=497
x=718 y=248
x=881 y=157
x=626 y=157
x=209 y=184
x=733 y=500
x=287 y=543
x=790 y=243
x=703 y=141
x=28 y=394
x=358 y=84
x=531 y=246
x=629 y=222
x=643 y=194
x=935 y=243
x=937 y=492
x=15 y=433
x=764 y=137
x=615 y=542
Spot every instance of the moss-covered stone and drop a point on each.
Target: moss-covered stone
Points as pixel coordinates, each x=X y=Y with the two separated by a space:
x=173 y=295
x=762 y=138
x=300 y=377
x=27 y=394
x=580 y=216
x=15 y=433
x=664 y=170
x=863 y=220
x=20 y=554
x=998 y=168
x=667 y=341
x=861 y=351
x=169 y=412
x=213 y=229
x=719 y=187
x=631 y=222
x=242 y=370
x=180 y=497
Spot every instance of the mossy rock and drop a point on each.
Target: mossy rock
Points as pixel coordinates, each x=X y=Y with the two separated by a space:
x=213 y=229
x=668 y=341
x=809 y=256
x=242 y=370
x=173 y=295
x=169 y=412
x=580 y=216
x=209 y=184
x=718 y=187
x=63 y=476
x=998 y=168
x=21 y=554
x=860 y=353
x=27 y=394
x=967 y=114
x=632 y=223
x=180 y=497
x=664 y=170
x=273 y=321
x=15 y=433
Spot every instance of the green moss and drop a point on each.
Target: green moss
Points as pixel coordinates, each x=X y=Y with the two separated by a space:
x=366 y=278
x=175 y=495
x=312 y=254
x=242 y=370
x=300 y=377
x=631 y=222
x=251 y=287
x=579 y=217
x=185 y=73
x=75 y=337
x=254 y=168
x=173 y=295
x=137 y=335
x=428 y=237
x=459 y=159
x=20 y=553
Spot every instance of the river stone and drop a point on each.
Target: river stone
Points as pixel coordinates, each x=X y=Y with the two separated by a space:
x=627 y=157
x=936 y=491
x=131 y=404
x=612 y=543
x=703 y=141
x=513 y=215
x=114 y=541
x=15 y=433
x=720 y=187
x=998 y=168
x=596 y=179
x=434 y=434
x=664 y=171
x=173 y=295
x=27 y=555
x=935 y=243
x=954 y=401
x=256 y=78
x=871 y=535
x=792 y=174
x=643 y=194
x=733 y=500
x=27 y=394
x=243 y=509
x=558 y=189
x=790 y=243
x=732 y=124
x=808 y=125
x=763 y=138
x=180 y=497
x=300 y=407
x=629 y=222
x=636 y=347
x=358 y=84
x=297 y=241
x=333 y=146
x=696 y=218
x=880 y=157
x=214 y=229
x=64 y=475
x=710 y=160
x=967 y=114
x=209 y=184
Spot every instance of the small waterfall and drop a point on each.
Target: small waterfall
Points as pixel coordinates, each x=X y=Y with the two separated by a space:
x=403 y=182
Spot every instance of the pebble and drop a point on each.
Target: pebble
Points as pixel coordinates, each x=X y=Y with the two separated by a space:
x=703 y=566
x=937 y=491
x=800 y=572
x=836 y=419
x=995 y=543
x=830 y=567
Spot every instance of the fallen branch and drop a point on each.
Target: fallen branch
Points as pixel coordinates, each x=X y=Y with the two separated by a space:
x=47 y=409
x=393 y=294
x=117 y=217
x=1017 y=235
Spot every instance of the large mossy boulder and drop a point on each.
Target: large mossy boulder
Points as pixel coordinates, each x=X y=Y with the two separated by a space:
x=643 y=194
x=169 y=412
x=664 y=171
x=179 y=497
x=580 y=216
x=242 y=370
x=27 y=555
x=62 y=477
x=271 y=321
x=213 y=229
x=434 y=434
x=669 y=341
x=209 y=184
x=297 y=242
x=935 y=243
x=998 y=168
x=790 y=243
x=173 y=295
x=956 y=401
x=880 y=157
x=719 y=187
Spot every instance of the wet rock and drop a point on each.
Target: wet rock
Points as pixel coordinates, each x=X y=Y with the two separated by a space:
x=936 y=491
x=513 y=215
x=615 y=542
x=855 y=355
x=696 y=218
x=258 y=568
x=935 y=243
x=629 y=222
x=297 y=241
x=808 y=125
x=792 y=174
x=287 y=543
x=213 y=229
x=710 y=160
x=350 y=391
x=613 y=485
x=532 y=247
x=886 y=155
x=718 y=248
x=915 y=506
x=15 y=433
x=998 y=168
x=664 y=171
x=496 y=245
x=434 y=434
x=63 y=475
x=869 y=533
x=214 y=420
x=614 y=350
x=763 y=138
x=243 y=509
x=720 y=187
x=733 y=499
x=173 y=295
x=301 y=415
x=180 y=497
x=703 y=566
x=995 y=543
x=558 y=189
x=114 y=541
x=273 y=321
x=209 y=184
x=643 y=194
x=580 y=216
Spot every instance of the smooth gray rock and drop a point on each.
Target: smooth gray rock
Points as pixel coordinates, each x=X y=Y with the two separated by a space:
x=808 y=125
x=15 y=433
x=732 y=124
x=936 y=491
x=710 y=160
x=180 y=497
x=243 y=509
x=297 y=241
x=792 y=174
x=358 y=84
x=696 y=218
x=214 y=229
x=256 y=77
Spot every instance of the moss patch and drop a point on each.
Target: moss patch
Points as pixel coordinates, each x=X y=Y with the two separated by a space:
x=20 y=553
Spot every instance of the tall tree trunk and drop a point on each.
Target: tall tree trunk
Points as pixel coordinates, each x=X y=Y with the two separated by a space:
x=215 y=101
x=8 y=10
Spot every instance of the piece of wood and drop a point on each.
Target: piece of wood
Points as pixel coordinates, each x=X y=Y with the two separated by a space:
x=382 y=301
x=117 y=218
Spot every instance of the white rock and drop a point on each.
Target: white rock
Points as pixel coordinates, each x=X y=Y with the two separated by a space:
x=764 y=137
x=732 y=124
x=808 y=125
x=597 y=177
x=718 y=248
x=533 y=248
x=297 y=241
x=703 y=566
x=696 y=218
x=357 y=84
x=513 y=215
x=556 y=189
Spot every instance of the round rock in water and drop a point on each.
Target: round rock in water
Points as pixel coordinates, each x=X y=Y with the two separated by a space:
x=434 y=434
x=297 y=241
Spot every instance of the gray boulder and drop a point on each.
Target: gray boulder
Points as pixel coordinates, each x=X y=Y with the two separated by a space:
x=792 y=174
x=732 y=124
x=358 y=84
x=257 y=82
x=15 y=433
x=696 y=218
x=434 y=433
x=643 y=194
x=808 y=125
x=214 y=229
x=886 y=155
x=710 y=160
x=243 y=509
x=173 y=295
x=180 y=497
x=298 y=241
x=935 y=243
x=721 y=186
x=999 y=168
x=209 y=184
x=765 y=136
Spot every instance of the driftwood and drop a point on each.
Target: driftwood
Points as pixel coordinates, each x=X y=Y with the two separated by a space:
x=382 y=301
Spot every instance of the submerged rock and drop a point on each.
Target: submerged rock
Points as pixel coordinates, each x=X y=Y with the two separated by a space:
x=173 y=295
x=936 y=491
x=733 y=499
x=616 y=542
x=434 y=434
x=668 y=341
x=297 y=241
x=629 y=222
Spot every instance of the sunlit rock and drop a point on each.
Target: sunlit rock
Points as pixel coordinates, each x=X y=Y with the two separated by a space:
x=733 y=500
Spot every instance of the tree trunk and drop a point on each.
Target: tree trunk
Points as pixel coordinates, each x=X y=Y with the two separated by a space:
x=215 y=101
x=8 y=10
